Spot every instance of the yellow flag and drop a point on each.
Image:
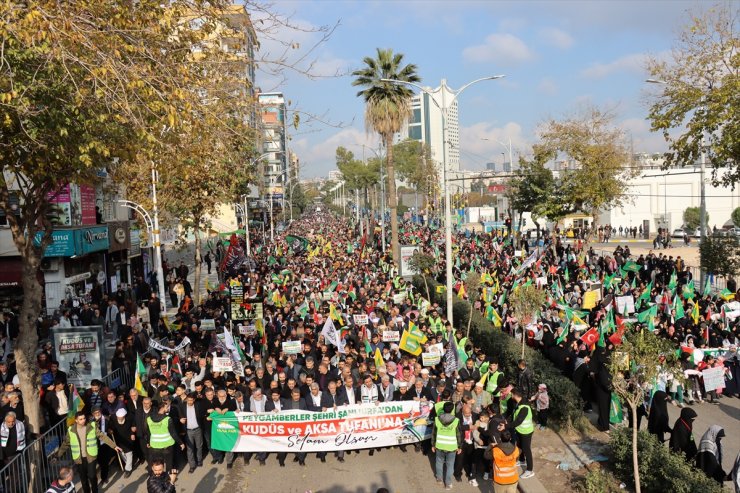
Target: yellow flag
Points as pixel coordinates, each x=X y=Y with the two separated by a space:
x=461 y=293
x=379 y=361
x=410 y=344
x=496 y=319
x=589 y=300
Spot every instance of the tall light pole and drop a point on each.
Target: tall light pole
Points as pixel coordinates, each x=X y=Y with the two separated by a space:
x=156 y=238
x=443 y=106
x=702 y=187
x=382 y=191
x=150 y=227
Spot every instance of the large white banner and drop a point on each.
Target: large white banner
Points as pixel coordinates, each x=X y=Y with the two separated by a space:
x=346 y=428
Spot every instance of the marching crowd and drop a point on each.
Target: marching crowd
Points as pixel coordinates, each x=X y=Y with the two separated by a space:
x=483 y=417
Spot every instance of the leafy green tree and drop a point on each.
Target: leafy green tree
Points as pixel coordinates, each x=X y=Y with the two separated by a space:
x=633 y=368
x=526 y=302
x=701 y=94
x=597 y=149
x=387 y=107
x=720 y=255
x=415 y=166
x=736 y=217
x=531 y=187
x=692 y=218
x=80 y=83
x=424 y=265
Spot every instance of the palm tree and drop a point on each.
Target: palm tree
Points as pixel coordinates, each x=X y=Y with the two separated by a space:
x=387 y=107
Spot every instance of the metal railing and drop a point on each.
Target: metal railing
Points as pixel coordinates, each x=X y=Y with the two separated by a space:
x=32 y=470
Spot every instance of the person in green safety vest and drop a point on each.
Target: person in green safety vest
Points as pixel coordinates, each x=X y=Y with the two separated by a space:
x=435 y=322
x=82 y=439
x=161 y=437
x=493 y=379
x=523 y=423
x=446 y=443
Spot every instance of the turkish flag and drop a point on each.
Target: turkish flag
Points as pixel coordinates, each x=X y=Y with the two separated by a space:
x=616 y=338
x=590 y=337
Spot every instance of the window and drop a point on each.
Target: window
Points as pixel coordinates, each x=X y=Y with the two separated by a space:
x=415 y=132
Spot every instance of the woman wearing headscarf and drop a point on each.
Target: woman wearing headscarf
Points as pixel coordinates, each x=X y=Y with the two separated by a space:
x=682 y=436
x=709 y=458
x=658 y=417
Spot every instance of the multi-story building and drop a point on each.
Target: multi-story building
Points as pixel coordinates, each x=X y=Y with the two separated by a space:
x=274 y=167
x=425 y=125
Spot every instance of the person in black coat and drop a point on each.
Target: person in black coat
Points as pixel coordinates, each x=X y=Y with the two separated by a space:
x=330 y=398
x=602 y=387
x=658 y=417
x=682 y=436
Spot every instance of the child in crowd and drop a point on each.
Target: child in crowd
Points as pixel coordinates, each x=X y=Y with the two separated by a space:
x=542 y=401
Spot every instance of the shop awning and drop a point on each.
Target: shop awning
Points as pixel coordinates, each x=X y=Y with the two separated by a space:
x=11 y=272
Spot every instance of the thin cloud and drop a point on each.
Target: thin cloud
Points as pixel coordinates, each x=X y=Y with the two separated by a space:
x=633 y=63
x=547 y=86
x=556 y=37
x=501 y=48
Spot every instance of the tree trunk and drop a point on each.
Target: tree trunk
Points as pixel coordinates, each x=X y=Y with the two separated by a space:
x=27 y=342
x=470 y=320
x=426 y=287
x=635 y=463
x=198 y=263
x=392 y=199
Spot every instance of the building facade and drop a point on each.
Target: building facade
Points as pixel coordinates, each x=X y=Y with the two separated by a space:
x=425 y=125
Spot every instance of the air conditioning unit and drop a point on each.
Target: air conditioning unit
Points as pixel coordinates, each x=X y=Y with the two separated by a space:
x=49 y=265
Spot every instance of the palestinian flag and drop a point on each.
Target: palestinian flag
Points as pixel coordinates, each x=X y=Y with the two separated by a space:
x=75 y=406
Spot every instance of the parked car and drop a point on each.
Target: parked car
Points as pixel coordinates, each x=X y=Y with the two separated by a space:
x=678 y=233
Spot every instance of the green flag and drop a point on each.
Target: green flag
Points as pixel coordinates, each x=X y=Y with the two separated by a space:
x=678 y=306
x=567 y=275
x=673 y=282
x=648 y=315
x=631 y=266
x=562 y=336
x=688 y=290
x=707 y=288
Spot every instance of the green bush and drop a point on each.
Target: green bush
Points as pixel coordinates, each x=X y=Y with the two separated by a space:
x=660 y=469
x=565 y=400
x=598 y=480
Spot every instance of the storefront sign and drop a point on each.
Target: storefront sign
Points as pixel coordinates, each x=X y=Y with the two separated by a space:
x=346 y=428
x=80 y=353
x=119 y=236
x=62 y=243
x=91 y=239
x=134 y=249
x=78 y=278
x=87 y=205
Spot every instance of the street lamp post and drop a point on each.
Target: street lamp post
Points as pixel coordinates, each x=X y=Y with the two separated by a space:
x=702 y=187
x=382 y=191
x=158 y=256
x=443 y=107
x=156 y=238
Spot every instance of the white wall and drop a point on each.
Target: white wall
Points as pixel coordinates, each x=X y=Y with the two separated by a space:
x=652 y=195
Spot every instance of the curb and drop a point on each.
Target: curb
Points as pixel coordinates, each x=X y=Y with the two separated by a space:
x=531 y=485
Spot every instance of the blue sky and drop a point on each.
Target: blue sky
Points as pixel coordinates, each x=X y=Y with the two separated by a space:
x=557 y=56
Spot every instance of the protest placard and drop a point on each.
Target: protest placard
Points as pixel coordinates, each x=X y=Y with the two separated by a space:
x=221 y=363
x=360 y=319
x=399 y=298
x=391 y=336
x=292 y=347
x=714 y=378
x=208 y=324
x=625 y=304
x=430 y=359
